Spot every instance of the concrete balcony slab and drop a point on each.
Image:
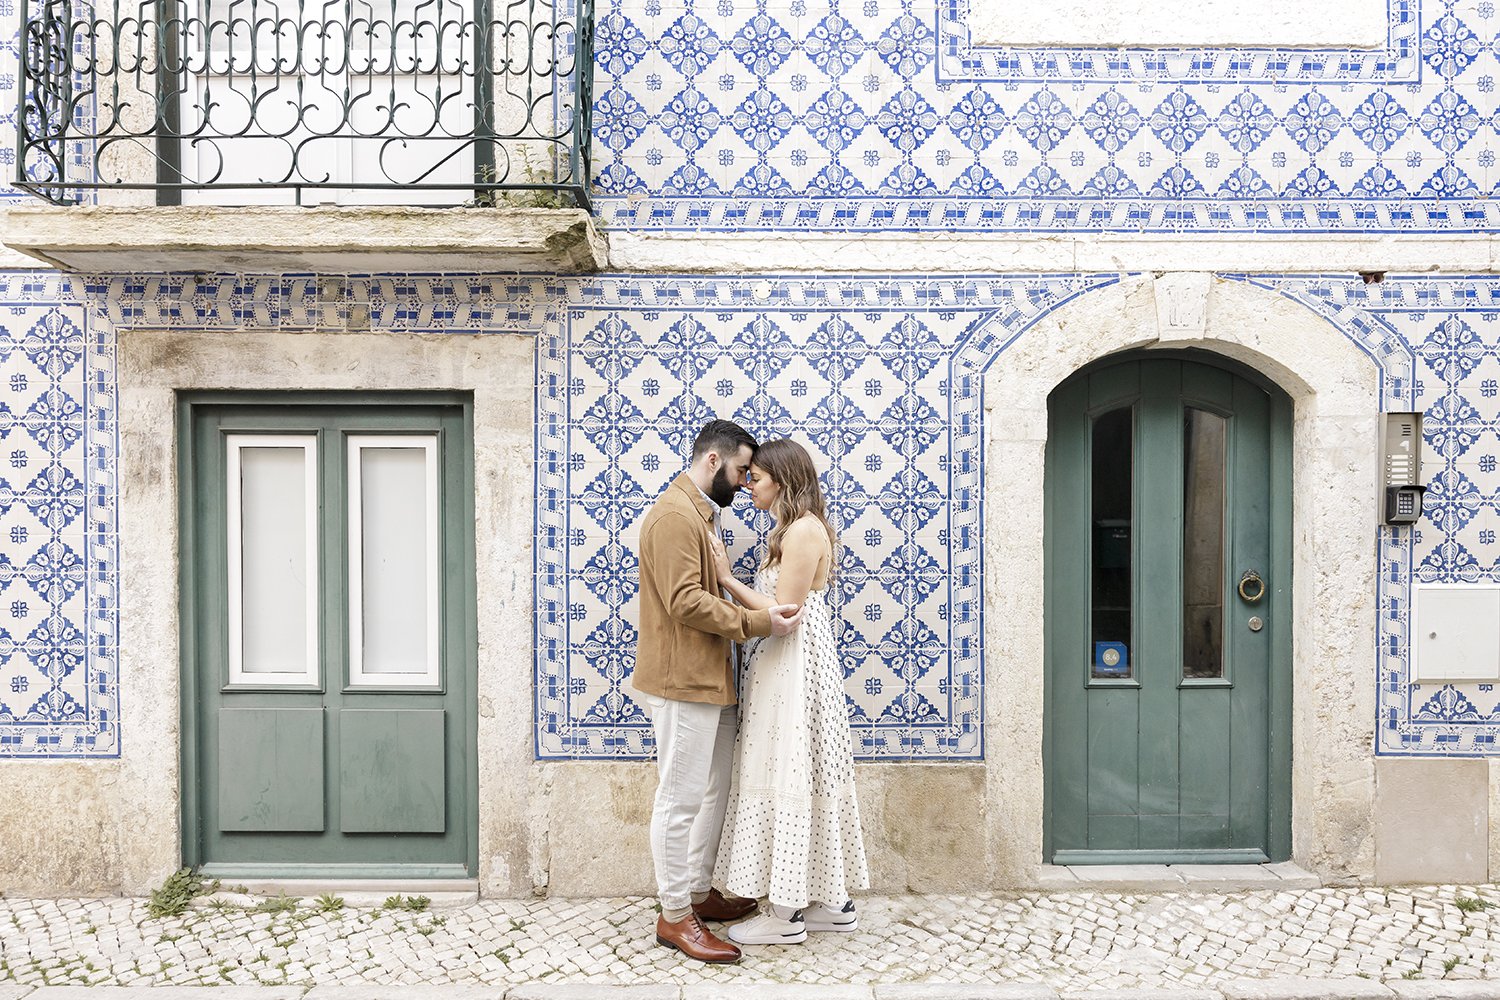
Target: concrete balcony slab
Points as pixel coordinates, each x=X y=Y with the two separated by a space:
x=322 y=239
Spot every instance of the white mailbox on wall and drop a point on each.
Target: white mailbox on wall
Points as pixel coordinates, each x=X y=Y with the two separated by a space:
x=1455 y=632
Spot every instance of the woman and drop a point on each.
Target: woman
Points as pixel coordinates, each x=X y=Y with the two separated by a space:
x=791 y=831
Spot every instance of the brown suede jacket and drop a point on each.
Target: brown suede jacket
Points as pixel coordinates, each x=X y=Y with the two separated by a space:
x=686 y=625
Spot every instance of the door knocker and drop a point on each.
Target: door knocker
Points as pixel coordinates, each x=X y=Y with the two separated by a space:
x=1252 y=587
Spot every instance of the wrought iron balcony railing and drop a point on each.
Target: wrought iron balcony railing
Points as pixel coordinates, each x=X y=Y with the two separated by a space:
x=303 y=101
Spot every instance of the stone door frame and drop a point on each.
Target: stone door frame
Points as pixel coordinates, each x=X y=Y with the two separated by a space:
x=1334 y=387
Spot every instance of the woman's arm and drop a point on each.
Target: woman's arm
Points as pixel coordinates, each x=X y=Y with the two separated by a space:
x=747 y=596
x=801 y=551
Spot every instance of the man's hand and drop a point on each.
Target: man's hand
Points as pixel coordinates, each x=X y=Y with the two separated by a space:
x=721 y=558
x=785 y=618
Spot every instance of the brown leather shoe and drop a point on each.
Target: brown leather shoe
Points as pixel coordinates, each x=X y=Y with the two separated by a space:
x=690 y=937
x=721 y=907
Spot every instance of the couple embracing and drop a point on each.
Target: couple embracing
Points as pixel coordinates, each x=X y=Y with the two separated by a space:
x=757 y=797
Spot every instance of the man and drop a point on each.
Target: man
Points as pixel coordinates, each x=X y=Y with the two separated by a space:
x=684 y=672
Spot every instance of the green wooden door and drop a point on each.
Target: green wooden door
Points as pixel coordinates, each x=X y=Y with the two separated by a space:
x=1168 y=614
x=328 y=636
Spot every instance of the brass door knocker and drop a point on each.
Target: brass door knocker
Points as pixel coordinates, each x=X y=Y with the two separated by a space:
x=1252 y=587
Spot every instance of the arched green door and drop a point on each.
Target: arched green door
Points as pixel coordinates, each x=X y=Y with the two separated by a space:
x=1168 y=616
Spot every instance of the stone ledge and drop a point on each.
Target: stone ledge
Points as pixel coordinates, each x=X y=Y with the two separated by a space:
x=1290 y=988
x=356 y=893
x=1420 y=989
x=1305 y=989
x=329 y=239
x=773 y=991
x=591 y=991
x=465 y=991
x=965 y=991
x=167 y=992
x=1166 y=878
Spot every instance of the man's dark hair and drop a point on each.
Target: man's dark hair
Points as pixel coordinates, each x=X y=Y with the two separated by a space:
x=724 y=437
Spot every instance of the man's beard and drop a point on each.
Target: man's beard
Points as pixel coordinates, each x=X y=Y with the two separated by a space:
x=721 y=491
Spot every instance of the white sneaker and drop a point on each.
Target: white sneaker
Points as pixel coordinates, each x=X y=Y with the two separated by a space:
x=822 y=917
x=767 y=928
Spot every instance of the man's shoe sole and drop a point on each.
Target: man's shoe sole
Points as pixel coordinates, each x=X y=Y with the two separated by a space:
x=711 y=961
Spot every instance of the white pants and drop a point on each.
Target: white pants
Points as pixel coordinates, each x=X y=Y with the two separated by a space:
x=694 y=758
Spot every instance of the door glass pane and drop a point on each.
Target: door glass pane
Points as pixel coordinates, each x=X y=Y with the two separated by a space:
x=394 y=483
x=273 y=568
x=1110 y=599
x=1202 y=543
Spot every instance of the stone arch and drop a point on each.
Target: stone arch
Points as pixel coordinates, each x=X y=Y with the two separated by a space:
x=1334 y=382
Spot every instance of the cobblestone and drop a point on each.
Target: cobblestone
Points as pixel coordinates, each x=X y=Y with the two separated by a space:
x=1068 y=942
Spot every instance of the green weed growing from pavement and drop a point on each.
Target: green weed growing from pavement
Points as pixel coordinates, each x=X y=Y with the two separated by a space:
x=1471 y=904
x=1449 y=964
x=177 y=893
x=1411 y=974
x=416 y=904
x=393 y=902
x=279 y=904
x=329 y=903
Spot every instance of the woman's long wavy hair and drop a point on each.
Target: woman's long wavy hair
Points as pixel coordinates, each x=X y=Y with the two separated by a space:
x=789 y=464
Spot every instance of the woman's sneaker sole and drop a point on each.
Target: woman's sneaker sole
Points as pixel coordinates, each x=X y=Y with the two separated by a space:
x=814 y=925
x=797 y=938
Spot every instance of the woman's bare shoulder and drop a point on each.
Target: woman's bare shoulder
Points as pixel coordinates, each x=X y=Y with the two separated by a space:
x=807 y=530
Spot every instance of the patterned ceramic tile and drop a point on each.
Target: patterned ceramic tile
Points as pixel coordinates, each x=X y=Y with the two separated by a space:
x=881 y=116
x=878 y=375
x=58 y=609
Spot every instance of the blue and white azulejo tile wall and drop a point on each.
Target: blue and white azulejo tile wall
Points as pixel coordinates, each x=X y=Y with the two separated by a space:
x=856 y=116
x=883 y=115
x=59 y=688
x=881 y=375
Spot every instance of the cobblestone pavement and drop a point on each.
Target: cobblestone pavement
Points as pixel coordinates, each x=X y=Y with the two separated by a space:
x=1067 y=941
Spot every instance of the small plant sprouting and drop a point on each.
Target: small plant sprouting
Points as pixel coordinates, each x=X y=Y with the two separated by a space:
x=1449 y=964
x=531 y=173
x=1411 y=974
x=177 y=893
x=1471 y=904
x=329 y=903
x=416 y=904
x=393 y=902
x=278 y=904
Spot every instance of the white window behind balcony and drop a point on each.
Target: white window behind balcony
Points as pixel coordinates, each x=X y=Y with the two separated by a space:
x=1170 y=23
x=337 y=94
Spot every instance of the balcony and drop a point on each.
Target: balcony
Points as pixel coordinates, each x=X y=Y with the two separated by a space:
x=340 y=135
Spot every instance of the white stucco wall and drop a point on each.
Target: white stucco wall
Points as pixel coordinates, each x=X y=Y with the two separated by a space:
x=1355 y=23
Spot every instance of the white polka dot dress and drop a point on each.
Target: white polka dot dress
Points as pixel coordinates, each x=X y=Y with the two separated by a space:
x=791 y=829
